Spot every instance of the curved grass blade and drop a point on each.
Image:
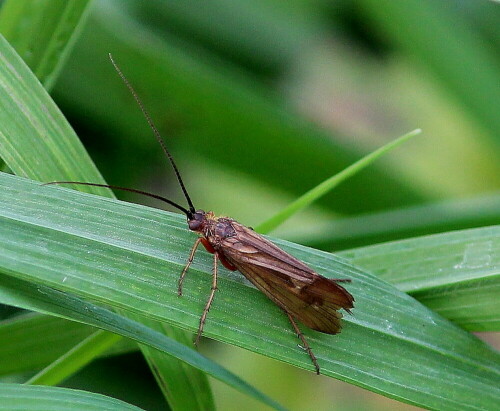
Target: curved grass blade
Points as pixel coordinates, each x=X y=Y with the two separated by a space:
x=75 y=359
x=35 y=398
x=397 y=224
x=329 y=184
x=36 y=340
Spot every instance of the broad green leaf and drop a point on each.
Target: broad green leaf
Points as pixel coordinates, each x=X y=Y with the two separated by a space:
x=129 y=256
x=321 y=189
x=49 y=301
x=43 y=32
x=33 y=398
x=456 y=274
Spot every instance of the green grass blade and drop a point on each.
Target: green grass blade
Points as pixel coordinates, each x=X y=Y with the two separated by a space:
x=74 y=360
x=329 y=184
x=391 y=225
x=35 y=136
x=455 y=274
x=190 y=389
x=33 y=398
x=49 y=301
x=183 y=388
x=43 y=32
x=129 y=256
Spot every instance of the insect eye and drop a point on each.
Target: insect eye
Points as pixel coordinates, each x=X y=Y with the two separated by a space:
x=194 y=224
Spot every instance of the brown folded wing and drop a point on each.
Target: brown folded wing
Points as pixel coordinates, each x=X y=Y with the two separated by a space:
x=312 y=299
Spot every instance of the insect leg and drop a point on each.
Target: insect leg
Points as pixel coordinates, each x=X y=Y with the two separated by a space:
x=209 y=301
x=304 y=342
x=189 y=261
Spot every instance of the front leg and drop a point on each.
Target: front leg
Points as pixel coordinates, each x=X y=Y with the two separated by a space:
x=209 y=301
x=189 y=261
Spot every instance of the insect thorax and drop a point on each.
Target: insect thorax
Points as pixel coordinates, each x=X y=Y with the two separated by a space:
x=216 y=229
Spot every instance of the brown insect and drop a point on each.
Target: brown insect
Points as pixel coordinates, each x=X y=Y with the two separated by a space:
x=298 y=290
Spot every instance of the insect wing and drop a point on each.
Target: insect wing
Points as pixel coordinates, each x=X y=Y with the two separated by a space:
x=312 y=299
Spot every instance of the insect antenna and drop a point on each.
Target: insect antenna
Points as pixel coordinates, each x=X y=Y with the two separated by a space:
x=188 y=213
x=155 y=132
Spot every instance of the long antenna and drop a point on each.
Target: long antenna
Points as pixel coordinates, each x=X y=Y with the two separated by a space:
x=155 y=132
x=132 y=190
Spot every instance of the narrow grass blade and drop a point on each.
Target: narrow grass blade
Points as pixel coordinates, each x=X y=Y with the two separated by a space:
x=329 y=184
x=74 y=360
x=391 y=225
x=36 y=141
x=183 y=388
x=35 y=341
x=43 y=32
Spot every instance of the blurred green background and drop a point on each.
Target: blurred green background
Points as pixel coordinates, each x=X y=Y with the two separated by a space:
x=260 y=101
x=263 y=100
